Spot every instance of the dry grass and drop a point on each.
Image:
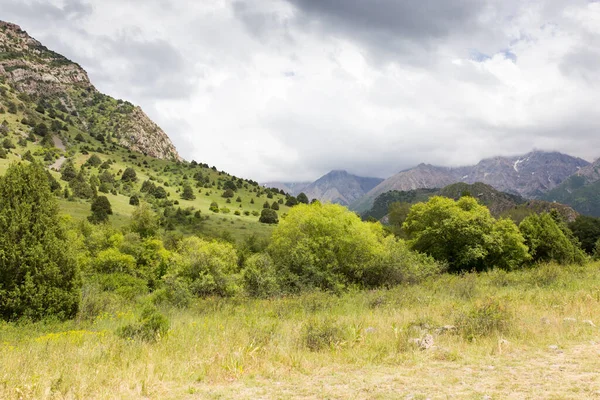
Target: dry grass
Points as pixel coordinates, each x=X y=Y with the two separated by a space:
x=242 y=348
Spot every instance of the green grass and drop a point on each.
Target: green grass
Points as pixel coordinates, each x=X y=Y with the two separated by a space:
x=533 y=343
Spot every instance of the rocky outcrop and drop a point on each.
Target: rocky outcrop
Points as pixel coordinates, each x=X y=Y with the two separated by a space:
x=31 y=68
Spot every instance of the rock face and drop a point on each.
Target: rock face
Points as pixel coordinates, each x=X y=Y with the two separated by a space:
x=529 y=176
x=43 y=75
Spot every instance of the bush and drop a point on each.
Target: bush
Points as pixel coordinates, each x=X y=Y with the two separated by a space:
x=101 y=209
x=318 y=334
x=134 y=200
x=485 y=318
x=259 y=276
x=464 y=235
x=129 y=175
x=205 y=268
x=550 y=241
x=151 y=327
x=268 y=216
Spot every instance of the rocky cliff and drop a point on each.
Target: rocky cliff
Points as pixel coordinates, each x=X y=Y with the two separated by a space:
x=45 y=77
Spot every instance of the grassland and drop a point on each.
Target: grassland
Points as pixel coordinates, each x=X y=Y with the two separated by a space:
x=527 y=334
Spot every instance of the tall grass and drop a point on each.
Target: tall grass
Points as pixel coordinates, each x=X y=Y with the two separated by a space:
x=218 y=344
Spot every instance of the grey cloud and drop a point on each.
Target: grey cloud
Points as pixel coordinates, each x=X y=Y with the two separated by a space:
x=582 y=63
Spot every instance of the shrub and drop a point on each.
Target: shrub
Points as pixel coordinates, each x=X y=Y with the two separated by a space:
x=134 y=200
x=464 y=234
x=111 y=261
x=101 y=209
x=129 y=175
x=259 y=276
x=318 y=334
x=484 y=319
x=205 y=268
x=268 y=216
x=151 y=327
x=550 y=241
x=214 y=207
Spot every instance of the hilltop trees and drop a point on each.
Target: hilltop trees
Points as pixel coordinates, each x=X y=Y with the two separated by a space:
x=38 y=271
x=464 y=234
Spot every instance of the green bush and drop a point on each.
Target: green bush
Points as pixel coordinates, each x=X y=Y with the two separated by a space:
x=259 y=276
x=485 y=318
x=317 y=334
x=113 y=261
x=205 y=268
x=151 y=327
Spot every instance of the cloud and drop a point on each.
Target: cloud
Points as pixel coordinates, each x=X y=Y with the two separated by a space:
x=290 y=89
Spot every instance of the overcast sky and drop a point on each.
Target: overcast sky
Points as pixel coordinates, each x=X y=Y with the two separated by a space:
x=290 y=89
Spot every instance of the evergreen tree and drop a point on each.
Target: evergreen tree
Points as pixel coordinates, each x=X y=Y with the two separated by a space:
x=39 y=276
x=129 y=175
x=101 y=209
x=268 y=216
x=188 y=193
x=302 y=198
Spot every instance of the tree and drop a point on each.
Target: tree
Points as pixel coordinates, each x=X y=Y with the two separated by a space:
x=188 y=193
x=159 y=192
x=302 y=198
x=39 y=275
x=230 y=185
x=266 y=205
x=397 y=213
x=129 y=175
x=464 y=235
x=275 y=206
x=93 y=161
x=268 y=216
x=291 y=201
x=8 y=144
x=228 y=194
x=101 y=209
x=587 y=230
x=144 y=222
x=134 y=200
x=41 y=129
x=548 y=242
x=68 y=171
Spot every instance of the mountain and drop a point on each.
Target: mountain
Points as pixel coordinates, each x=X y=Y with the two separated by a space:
x=340 y=187
x=293 y=188
x=530 y=176
x=501 y=204
x=52 y=81
x=96 y=146
x=581 y=190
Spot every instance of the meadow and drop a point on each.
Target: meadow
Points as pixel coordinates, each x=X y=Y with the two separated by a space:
x=524 y=334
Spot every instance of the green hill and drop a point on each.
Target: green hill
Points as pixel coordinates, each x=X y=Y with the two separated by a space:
x=52 y=114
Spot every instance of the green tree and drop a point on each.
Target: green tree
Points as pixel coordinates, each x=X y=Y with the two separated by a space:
x=548 y=241
x=228 y=194
x=41 y=129
x=39 y=275
x=8 y=144
x=144 y=222
x=464 y=235
x=230 y=185
x=129 y=175
x=587 y=230
x=266 y=205
x=397 y=213
x=268 y=216
x=275 y=206
x=302 y=198
x=291 y=201
x=188 y=193
x=101 y=209
x=93 y=161
x=134 y=200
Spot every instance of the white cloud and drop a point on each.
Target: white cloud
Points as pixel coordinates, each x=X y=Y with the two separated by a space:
x=289 y=90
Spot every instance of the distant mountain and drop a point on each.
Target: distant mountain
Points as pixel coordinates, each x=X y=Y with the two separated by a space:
x=581 y=190
x=337 y=186
x=340 y=187
x=529 y=176
x=500 y=204
x=293 y=188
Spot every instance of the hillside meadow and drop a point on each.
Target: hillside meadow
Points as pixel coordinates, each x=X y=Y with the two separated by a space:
x=523 y=334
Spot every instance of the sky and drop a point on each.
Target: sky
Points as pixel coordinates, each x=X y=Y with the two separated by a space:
x=287 y=90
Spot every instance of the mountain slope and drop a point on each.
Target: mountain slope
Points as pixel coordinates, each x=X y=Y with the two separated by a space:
x=530 y=175
x=340 y=187
x=53 y=82
x=581 y=190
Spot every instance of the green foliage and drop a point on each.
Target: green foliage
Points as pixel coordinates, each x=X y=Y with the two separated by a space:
x=101 y=209
x=485 y=318
x=275 y=206
x=228 y=194
x=134 y=200
x=39 y=275
x=206 y=268
x=259 y=276
x=318 y=334
x=81 y=187
x=68 y=171
x=587 y=230
x=151 y=327
x=464 y=235
x=291 y=201
x=8 y=144
x=188 y=193
x=268 y=216
x=302 y=198
x=550 y=241
x=214 y=207
x=144 y=222
x=129 y=175
x=93 y=161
